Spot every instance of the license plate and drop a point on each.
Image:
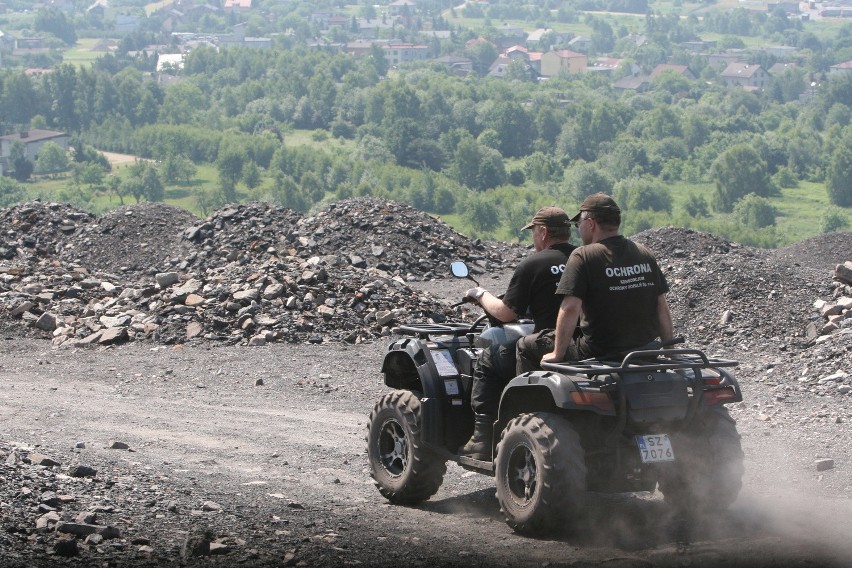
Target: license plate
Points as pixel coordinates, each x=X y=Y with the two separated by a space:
x=655 y=448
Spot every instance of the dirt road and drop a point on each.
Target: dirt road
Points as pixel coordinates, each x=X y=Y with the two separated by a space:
x=284 y=462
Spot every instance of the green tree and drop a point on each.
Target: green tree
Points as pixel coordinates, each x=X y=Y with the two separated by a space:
x=132 y=185
x=833 y=221
x=696 y=205
x=18 y=98
x=584 y=179
x=251 y=175
x=513 y=125
x=286 y=192
x=540 y=167
x=89 y=173
x=152 y=186
x=177 y=168
x=53 y=21
x=643 y=194
x=737 y=172
x=11 y=192
x=465 y=163
x=839 y=175
x=481 y=213
x=21 y=165
x=230 y=164
x=51 y=158
x=115 y=187
x=755 y=212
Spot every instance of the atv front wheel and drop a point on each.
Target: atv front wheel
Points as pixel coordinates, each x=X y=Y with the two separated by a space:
x=403 y=470
x=540 y=470
x=708 y=472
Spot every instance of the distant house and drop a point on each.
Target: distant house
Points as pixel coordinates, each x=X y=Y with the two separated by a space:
x=372 y=28
x=679 y=69
x=257 y=42
x=563 y=61
x=559 y=39
x=780 y=68
x=402 y=8
x=698 y=46
x=37 y=71
x=127 y=23
x=744 y=75
x=358 y=48
x=234 y=6
x=604 y=65
x=405 y=52
x=722 y=60
x=580 y=43
x=534 y=37
x=170 y=62
x=788 y=7
x=29 y=43
x=437 y=34
x=638 y=83
x=502 y=64
x=98 y=9
x=517 y=52
x=510 y=35
x=840 y=68
x=32 y=140
x=779 y=51
x=461 y=66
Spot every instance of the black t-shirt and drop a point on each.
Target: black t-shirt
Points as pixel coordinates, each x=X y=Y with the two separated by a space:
x=533 y=285
x=619 y=283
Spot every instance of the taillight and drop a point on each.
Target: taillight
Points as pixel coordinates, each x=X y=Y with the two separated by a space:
x=599 y=400
x=715 y=393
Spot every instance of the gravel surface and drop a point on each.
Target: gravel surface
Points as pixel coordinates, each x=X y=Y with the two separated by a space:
x=210 y=452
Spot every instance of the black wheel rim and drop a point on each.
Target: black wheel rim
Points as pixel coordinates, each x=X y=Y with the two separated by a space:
x=393 y=448
x=521 y=474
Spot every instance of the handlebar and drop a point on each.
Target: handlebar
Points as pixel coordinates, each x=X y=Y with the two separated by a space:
x=425 y=330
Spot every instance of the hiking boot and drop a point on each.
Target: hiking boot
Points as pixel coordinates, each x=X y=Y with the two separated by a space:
x=480 y=444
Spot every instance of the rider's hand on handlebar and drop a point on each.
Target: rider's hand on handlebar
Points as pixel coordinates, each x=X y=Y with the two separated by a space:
x=474 y=294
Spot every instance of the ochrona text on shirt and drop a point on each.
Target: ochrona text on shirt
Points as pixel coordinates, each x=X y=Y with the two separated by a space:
x=629 y=276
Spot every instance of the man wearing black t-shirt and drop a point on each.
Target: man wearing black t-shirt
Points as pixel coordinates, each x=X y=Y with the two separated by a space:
x=531 y=293
x=616 y=286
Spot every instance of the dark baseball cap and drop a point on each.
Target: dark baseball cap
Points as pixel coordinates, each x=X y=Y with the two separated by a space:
x=597 y=203
x=549 y=217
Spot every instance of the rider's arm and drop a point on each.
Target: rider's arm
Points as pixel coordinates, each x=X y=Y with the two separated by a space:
x=566 y=322
x=495 y=306
x=665 y=317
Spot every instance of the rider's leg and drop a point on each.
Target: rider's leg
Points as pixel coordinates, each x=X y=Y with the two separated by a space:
x=495 y=368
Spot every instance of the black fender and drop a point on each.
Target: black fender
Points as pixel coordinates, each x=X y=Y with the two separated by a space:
x=409 y=365
x=548 y=391
x=429 y=369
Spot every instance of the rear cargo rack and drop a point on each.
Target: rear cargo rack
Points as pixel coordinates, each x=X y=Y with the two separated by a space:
x=641 y=361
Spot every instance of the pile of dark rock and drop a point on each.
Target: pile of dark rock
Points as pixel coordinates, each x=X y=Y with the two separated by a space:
x=57 y=507
x=249 y=273
x=789 y=305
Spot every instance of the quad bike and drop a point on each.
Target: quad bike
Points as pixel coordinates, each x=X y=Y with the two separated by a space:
x=651 y=417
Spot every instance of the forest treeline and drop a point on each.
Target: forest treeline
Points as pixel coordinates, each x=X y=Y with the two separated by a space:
x=489 y=150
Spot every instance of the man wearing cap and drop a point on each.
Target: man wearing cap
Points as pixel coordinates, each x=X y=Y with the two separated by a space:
x=530 y=291
x=616 y=286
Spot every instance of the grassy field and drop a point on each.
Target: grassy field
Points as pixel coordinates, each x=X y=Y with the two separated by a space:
x=800 y=210
x=82 y=53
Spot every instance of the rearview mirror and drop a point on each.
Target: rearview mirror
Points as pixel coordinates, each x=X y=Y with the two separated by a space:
x=459 y=269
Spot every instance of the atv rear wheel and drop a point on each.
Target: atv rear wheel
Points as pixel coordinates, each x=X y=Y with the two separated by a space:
x=708 y=471
x=540 y=470
x=403 y=470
